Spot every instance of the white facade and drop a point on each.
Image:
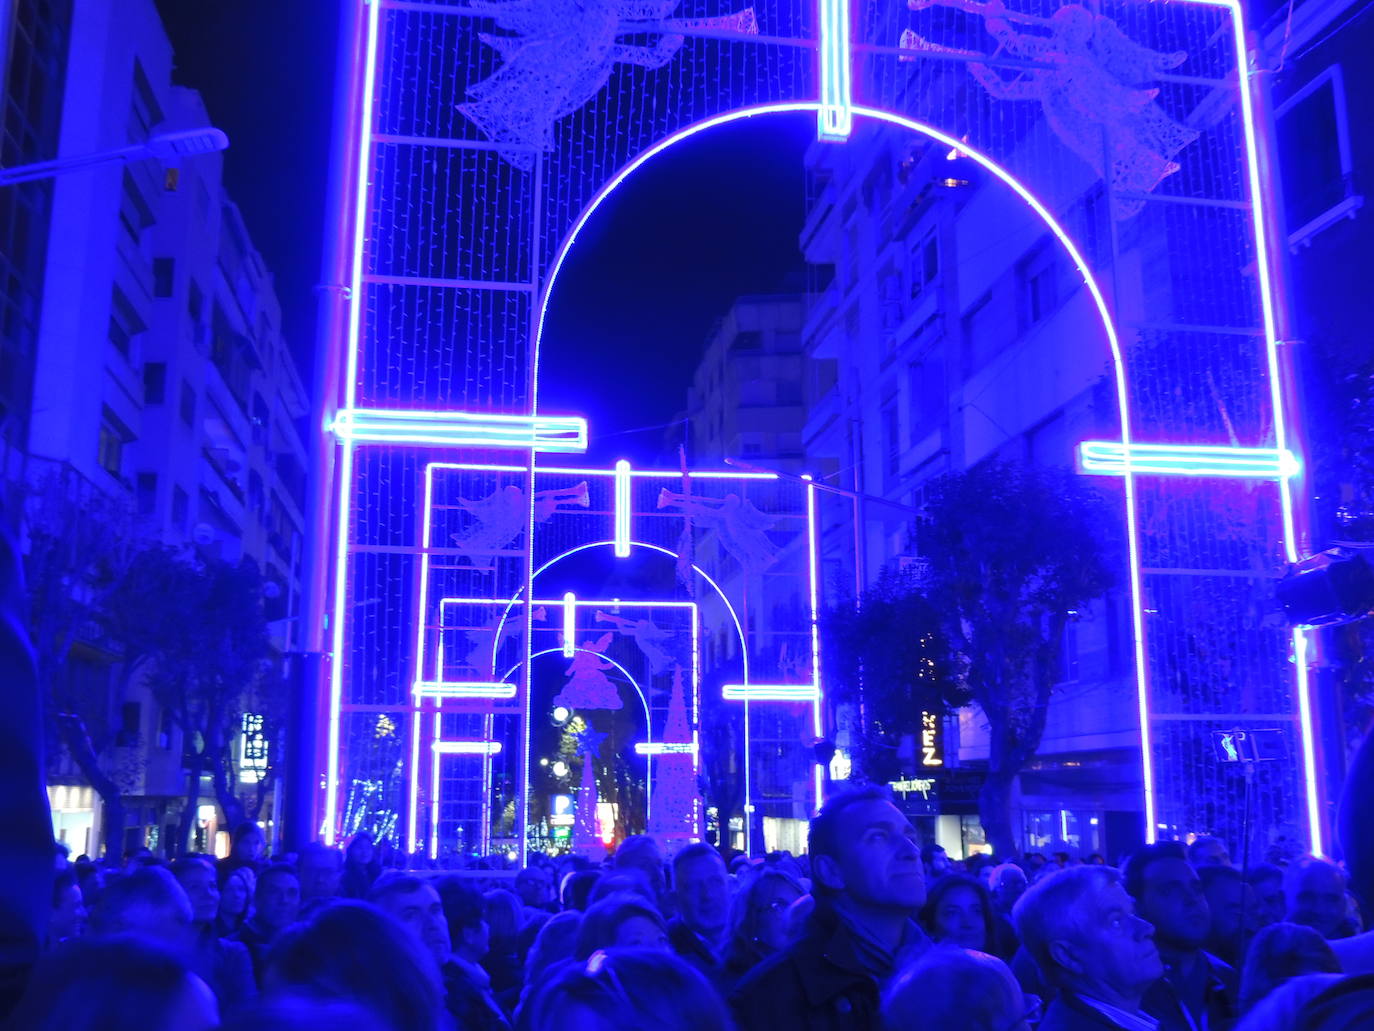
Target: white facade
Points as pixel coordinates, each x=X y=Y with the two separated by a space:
x=161 y=373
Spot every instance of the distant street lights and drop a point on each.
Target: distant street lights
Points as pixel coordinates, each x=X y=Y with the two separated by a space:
x=167 y=147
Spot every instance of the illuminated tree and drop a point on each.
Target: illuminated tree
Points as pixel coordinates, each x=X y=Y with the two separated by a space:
x=1012 y=551
x=76 y=542
x=889 y=657
x=192 y=626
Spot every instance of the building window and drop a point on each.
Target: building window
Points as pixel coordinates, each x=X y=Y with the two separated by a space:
x=1314 y=137
x=134 y=213
x=154 y=382
x=163 y=273
x=747 y=340
x=145 y=493
x=188 y=404
x=195 y=302
x=1039 y=286
x=125 y=322
x=145 y=111
x=110 y=449
x=925 y=263
x=181 y=506
x=892 y=440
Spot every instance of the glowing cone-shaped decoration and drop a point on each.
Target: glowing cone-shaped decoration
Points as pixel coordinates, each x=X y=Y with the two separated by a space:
x=586 y=832
x=676 y=804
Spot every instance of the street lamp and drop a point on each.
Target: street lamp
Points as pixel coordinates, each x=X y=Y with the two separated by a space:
x=167 y=147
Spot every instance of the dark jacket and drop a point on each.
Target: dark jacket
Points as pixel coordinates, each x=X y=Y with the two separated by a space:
x=690 y=946
x=1214 y=990
x=1070 y=1013
x=817 y=984
x=258 y=940
x=469 y=1000
x=227 y=967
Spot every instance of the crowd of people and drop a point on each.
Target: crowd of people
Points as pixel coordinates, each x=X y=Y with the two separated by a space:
x=869 y=929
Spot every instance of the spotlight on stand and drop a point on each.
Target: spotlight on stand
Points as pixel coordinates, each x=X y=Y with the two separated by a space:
x=1330 y=588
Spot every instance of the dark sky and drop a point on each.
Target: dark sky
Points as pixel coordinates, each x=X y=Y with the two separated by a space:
x=712 y=218
x=266 y=71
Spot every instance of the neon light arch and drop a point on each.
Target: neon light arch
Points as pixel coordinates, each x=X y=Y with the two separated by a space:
x=734 y=616
x=1089 y=281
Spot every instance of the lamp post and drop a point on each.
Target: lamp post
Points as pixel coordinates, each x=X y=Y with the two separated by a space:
x=167 y=147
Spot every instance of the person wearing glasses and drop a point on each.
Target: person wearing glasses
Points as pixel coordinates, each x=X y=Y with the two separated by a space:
x=758 y=919
x=868 y=884
x=1080 y=927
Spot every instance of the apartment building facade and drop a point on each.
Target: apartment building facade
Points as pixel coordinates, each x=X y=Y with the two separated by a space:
x=160 y=376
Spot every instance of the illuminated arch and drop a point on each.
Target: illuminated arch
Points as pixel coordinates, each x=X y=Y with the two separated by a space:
x=734 y=616
x=1089 y=281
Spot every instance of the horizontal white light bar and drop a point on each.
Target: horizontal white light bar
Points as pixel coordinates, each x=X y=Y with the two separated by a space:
x=770 y=692
x=1108 y=458
x=548 y=433
x=467 y=747
x=462 y=689
x=665 y=748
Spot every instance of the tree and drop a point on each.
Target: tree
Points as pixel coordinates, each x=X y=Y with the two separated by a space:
x=193 y=627
x=888 y=655
x=1012 y=551
x=76 y=541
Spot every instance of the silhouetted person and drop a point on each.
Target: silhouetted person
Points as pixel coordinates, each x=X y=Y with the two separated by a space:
x=620 y=922
x=950 y=987
x=68 y=909
x=1231 y=903
x=626 y=989
x=121 y=982
x=1207 y=850
x=467 y=985
x=1279 y=953
x=320 y=870
x=352 y=951
x=1314 y=890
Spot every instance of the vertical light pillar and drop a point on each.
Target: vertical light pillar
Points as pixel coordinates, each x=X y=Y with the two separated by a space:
x=622 y=509
x=836 y=118
x=569 y=625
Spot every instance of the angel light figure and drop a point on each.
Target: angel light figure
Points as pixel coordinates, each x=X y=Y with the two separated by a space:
x=741 y=527
x=485 y=643
x=501 y=518
x=1091 y=80
x=587 y=686
x=559 y=55
x=647 y=635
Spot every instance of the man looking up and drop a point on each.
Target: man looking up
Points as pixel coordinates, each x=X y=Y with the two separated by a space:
x=867 y=878
x=701 y=889
x=1079 y=926
x=1198 y=990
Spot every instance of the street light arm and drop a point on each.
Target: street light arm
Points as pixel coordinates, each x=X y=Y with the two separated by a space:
x=167 y=147
x=57 y=166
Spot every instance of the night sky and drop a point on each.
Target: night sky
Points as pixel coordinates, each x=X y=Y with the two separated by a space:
x=713 y=218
